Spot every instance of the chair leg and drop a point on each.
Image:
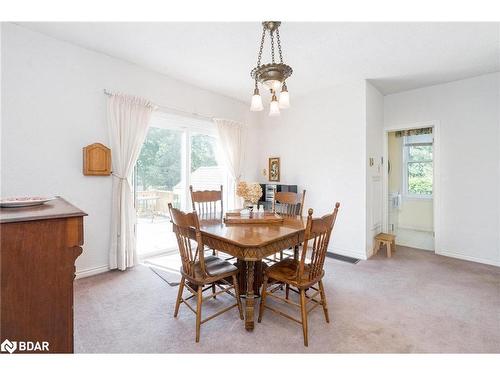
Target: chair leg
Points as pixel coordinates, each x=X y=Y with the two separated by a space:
x=304 y=314
x=281 y=255
x=262 y=299
x=323 y=300
x=198 y=311
x=213 y=290
x=296 y=252
x=388 y=247
x=237 y=294
x=287 y=291
x=179 y=296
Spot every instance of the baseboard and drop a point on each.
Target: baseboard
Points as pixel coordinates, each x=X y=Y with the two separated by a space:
x=348 y=253
x=91 y=272
x=469 y=258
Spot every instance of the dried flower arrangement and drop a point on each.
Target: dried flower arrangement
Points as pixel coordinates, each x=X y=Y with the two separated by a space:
x=249 y=191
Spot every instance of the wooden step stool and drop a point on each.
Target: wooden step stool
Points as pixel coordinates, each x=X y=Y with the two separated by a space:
x=389 y=240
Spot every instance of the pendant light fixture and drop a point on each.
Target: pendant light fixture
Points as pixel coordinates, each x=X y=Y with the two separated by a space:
x=272 y=75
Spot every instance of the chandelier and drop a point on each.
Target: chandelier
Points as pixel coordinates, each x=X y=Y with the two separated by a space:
x=273 y=75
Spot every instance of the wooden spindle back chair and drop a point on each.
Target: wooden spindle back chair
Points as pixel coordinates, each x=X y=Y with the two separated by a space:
x=207 y=203
x=183 y=224
x=198 y=270
x=289 y=203
x=301 y=275
x=317 y=234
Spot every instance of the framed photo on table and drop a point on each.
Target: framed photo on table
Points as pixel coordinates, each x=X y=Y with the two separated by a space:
x=274 y=169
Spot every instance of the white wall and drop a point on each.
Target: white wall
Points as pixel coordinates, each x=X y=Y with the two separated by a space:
x=53 y=105
x=469 y=171
x=374 y=114
x=321 y=143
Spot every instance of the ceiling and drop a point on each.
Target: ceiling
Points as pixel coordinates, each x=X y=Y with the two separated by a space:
x=219 y=56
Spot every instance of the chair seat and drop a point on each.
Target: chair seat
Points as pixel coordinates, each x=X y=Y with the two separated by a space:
x=385 y=237
x=212 y=258
x=287 y=270
x=216 y=267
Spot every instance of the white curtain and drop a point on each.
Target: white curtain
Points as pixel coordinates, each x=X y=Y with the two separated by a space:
x=128 y=121
x=231 y=141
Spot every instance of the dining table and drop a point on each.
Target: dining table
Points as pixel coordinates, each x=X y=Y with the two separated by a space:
x=250 y=244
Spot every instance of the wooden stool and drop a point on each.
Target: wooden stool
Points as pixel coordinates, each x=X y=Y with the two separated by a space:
x=389 y=240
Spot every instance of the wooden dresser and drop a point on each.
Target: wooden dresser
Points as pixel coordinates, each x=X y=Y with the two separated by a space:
x=38 y=249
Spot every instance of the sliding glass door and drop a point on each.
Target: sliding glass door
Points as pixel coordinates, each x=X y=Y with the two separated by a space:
x=177 y=152
x=206 y=170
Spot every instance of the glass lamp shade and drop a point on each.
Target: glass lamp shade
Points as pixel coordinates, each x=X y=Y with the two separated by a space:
x=284 y=100
x=256 y=104
x=273 y=84
x=274 y=108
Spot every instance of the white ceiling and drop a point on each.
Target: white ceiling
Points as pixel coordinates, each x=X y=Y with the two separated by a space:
x=219 y=56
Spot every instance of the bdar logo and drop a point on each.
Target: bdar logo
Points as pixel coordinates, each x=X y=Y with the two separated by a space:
x=8 y=346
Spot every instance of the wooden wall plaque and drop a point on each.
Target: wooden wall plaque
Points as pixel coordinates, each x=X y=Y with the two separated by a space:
x=96 y=160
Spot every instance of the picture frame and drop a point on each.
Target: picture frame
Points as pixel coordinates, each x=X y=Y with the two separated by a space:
x=274 y=169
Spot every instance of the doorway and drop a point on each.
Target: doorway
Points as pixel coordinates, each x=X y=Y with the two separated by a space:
x=410 y=185
x=177 y=152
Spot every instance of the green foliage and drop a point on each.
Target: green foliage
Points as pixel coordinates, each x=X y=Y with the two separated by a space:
x=202 y=151
x=420 y=178
x=159 y=164
x=420 y=185
x=420 y=169
x=420 y=153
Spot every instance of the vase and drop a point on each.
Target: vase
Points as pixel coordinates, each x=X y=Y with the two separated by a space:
x=248 y=205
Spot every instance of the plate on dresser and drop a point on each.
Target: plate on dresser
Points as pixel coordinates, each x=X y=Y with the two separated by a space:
x=16 y=202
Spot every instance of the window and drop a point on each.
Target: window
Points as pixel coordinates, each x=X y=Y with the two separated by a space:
x=176 y=153
x=418 y=166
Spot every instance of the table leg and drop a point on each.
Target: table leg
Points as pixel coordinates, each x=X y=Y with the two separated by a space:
x=258 y=276
x=249 y=307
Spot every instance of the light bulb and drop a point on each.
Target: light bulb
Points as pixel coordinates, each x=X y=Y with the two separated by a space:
x=284 y=99
x=256 y=104
x=274 y=108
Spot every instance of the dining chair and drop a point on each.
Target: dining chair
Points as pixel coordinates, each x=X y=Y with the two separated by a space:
x=198 y=270
x=205 y=204
x=299 y=275
x=288 y=204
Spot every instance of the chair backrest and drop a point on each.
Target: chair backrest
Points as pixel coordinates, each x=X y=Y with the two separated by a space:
x=205 y=202
x=317 y=235
x=184 y=224
x=288 y=203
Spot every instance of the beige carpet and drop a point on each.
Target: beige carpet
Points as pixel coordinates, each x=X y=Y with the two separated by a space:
x=415 y=302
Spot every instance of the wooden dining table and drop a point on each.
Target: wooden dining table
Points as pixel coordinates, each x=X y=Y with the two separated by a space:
x=250 y=244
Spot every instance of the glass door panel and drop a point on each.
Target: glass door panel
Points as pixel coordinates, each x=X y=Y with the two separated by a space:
x=206 y=172
x=175 y=154
x=160 y=179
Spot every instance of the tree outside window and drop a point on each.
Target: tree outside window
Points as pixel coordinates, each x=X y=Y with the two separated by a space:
x=418 y=166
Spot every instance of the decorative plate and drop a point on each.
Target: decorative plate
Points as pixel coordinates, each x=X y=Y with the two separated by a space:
x=23 y=201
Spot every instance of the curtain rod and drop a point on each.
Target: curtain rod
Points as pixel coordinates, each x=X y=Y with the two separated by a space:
x=167 y=109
